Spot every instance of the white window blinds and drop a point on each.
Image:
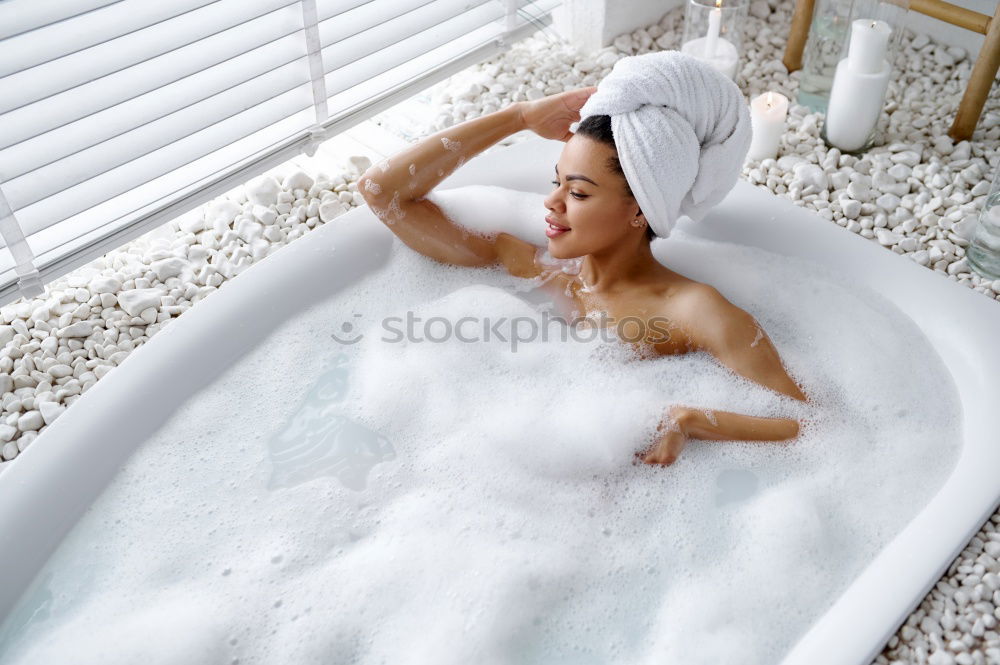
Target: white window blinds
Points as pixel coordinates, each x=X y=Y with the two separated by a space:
x=119 y=115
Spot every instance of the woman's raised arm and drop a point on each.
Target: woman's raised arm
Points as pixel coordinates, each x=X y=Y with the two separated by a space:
x=395 y=188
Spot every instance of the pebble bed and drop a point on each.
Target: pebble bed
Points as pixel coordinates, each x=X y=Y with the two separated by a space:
x=918 y=193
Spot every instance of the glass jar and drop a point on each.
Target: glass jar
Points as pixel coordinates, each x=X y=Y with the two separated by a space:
x=861 y=78
x=827 y=36
x=713 y=32
x=983 y=252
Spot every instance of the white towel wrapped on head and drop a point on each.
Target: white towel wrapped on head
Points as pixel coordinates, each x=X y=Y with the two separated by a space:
x=682 y=130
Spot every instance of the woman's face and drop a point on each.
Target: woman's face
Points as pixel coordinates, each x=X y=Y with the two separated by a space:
x=589 y=200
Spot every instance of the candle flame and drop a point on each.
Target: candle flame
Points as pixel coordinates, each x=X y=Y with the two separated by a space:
x=874 y=23
x=718 y=3
x=769 y=100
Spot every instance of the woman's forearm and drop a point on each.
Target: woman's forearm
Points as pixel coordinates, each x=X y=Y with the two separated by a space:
x=727 y=426
x=418 y=169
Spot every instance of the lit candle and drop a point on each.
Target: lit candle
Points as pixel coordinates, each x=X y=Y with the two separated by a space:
x=714 y=49
x=859 y=84
x=869 y=42
x=714 y=25
x=767 y=119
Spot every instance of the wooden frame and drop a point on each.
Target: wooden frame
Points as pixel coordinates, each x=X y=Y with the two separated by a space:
x=983 y=72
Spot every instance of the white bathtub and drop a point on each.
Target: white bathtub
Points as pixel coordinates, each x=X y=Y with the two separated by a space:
x=52 y=483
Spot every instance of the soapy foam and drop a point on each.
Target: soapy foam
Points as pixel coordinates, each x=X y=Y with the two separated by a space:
x=509 y=524
x=487 y=209
x=395 y=208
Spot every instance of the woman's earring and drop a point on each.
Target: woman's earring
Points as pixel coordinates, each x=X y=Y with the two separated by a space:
x=637 y=222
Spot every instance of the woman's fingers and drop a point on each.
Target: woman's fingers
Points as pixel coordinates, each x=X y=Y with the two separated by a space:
x=550 y=117
x=577 y=98
x=667 y=449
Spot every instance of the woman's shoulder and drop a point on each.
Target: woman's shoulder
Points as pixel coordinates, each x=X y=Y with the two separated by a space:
x=696 y=304
x=679 y=290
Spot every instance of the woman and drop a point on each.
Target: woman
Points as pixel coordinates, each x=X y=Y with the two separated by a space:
x=592 y=214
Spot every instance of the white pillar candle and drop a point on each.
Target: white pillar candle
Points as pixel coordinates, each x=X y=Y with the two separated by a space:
x=859 y=84
x=714 y=26
x=869 y=41
x=767 y=118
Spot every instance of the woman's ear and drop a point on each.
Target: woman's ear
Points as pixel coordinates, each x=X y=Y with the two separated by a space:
x=639 y=219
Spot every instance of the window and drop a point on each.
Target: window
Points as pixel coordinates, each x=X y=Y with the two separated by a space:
x=119 y=115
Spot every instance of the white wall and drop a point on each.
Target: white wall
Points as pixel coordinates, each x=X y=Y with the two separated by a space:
x=593 y=24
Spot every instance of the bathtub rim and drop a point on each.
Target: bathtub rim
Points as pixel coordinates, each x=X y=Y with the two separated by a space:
x=876 y=601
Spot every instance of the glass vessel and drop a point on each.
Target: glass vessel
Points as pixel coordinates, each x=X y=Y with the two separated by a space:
x=861 y=78
x=827 y=36
x=983 y=253
x=713 y=32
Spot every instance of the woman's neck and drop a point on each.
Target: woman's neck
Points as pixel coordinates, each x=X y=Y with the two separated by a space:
x=620 y=267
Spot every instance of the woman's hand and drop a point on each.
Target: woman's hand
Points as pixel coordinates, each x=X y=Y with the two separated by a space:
x=671 y=438
x=682 y=423
x=550 y=117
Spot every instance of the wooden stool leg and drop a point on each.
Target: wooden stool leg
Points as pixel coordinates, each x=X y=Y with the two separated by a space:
x=979 y=84
x=798 y=34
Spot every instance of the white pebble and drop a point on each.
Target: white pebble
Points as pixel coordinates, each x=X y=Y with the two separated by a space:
x=265 y=214
x=297 y=180
x=148 y=315
x=358 y=164
x=169 y=267
x=900 y=171
x=30 y=421
x=760 y=9
x=907 y=157
x=60 y=371
x=222 y=210
x=811 y=174
x=263 y=191
x=839 y=180
x=941 y=657
x=136 y=300
x=104 y=285
x=330 y=210
x=851 y=208
x=50 y=411
x=888 y=202
x=887 y=238
x=78 y=329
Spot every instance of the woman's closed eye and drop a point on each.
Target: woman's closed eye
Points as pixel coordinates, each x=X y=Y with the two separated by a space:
x=579 y=196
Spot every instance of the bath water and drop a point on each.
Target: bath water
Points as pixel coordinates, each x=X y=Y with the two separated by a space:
x=377 y=499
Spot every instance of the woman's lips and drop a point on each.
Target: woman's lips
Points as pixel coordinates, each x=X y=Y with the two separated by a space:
x=555 y=229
